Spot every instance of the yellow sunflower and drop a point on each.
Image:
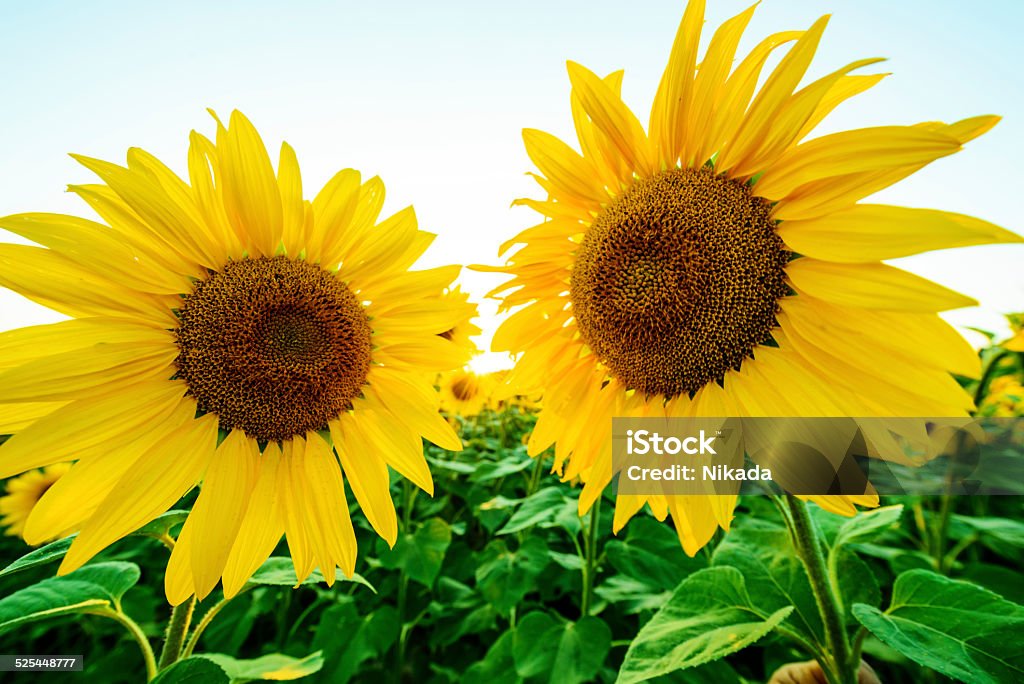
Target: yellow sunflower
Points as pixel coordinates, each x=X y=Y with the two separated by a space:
x=464 y=393
x=228 y=331
x=24 y=492
x=720 y=263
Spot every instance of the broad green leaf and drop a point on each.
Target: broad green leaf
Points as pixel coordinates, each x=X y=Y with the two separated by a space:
x=497 y=667
x=274 y=666
x=651 y=554
x=542 y=507
x=867 y=525
x=630 y=595
x=954 y=627
x=774 y=575
x=55 y=550
x=88 y=589
x=1002 y=580
x=348 y=639
x=1002 y=535
x=194 y=670
x=44 y=554
x=420 y=554
x=857 y=583
x=485 y=472
x=162 y=524
x=504 y=577
x=279 y=571
x=709 y=616
x=561 y=651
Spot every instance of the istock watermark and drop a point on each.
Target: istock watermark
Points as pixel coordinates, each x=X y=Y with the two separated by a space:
x=817 y=456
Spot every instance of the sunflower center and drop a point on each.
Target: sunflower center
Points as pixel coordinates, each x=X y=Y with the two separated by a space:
x=464 y=388
x=676 y=282
x=273 y=346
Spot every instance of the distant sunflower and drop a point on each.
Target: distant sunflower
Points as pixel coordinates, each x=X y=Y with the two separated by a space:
x=23 y=493
x=719 y=263
x=228 y=331
x=463 y=332
x=464 y=393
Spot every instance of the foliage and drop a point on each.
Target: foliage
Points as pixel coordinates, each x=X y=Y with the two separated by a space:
x=496 y=579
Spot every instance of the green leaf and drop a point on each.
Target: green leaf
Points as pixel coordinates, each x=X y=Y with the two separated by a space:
x=632 y=596
x=420 y=554
x=57 y=549
x=542 y=507
x=774 y=575
x=857 y=583
x=194 y=670
x=867 y=525
x=1003 y=536
x=563 y=651
x=44 y=554
x=709 y=616
x=87 y=589
x=162 y=524
x=274 y=666
x=504 y=577
x=956 y=628
x=651 y=554
x=485 y=472
x=279 y=571
x=497 y=667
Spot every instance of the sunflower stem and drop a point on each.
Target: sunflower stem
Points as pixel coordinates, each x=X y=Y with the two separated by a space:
x=137 y=635
x=204 y=622
x=177 y=628
x=808 y=547
x=590 y=557
x=941 y=530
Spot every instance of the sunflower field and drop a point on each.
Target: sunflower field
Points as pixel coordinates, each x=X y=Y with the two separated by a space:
x=256 y=440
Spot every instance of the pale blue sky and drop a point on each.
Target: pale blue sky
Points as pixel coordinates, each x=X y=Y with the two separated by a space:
x=433 y=96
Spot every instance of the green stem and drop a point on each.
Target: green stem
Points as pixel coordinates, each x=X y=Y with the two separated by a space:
x=137 y=635
x=590 y=556
x=946 y=502
x=177 y=628
x=808 y=547
x=204 y=622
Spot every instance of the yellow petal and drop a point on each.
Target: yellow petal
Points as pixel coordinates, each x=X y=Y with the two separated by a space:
x=874 y=232
x=872 y=286
x=76 y=496
x=733 y=98
x=367 y=475
x=841 y=91
x=262 y=525
x=159 y=478
x=293 y=206
x=414 y=403
x=178 y=581
x=400 y=447
x=17 y=417
x=922 y=338
x=30 y=343
x=772 y=97
x=68 y=431
x=710 y=81
x=330 y=528
x=293 y=495
x=694 y=521
x=562 y=166
x=333 y=210
x=59 y=283
x=78 y=373
x=611 y=116
x=97 y=248
x=673 y=99
x=218 y=512
x=252 y=196
x=849 y=152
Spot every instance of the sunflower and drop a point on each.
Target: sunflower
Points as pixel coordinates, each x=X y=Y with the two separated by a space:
x=465 y=329
x=464 y=393
x=228 y=331
x=720 y=263
x=24 y=492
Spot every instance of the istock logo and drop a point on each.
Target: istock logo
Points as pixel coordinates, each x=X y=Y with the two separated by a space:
x=642 y=442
